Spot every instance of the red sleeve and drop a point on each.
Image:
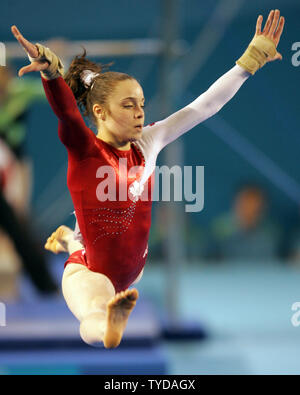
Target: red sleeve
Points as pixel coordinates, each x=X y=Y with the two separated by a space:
x=72 y=130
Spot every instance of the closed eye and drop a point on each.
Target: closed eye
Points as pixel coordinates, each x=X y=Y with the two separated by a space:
x=130 y=106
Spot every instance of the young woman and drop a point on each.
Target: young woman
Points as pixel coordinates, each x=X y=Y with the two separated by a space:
x=114 y=228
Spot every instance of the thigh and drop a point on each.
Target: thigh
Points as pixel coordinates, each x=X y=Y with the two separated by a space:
x=85 y=291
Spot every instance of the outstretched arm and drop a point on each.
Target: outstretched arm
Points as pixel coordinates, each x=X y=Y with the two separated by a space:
x=206 y=105
x=261 y=50
x=73 y=132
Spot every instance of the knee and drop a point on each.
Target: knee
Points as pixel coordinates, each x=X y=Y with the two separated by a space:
x=99 y=302
x=90 y=340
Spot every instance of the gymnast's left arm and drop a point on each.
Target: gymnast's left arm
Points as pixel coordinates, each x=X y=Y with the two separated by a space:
x=262 y=49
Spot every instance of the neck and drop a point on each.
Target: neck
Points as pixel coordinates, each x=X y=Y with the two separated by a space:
x=113 y=141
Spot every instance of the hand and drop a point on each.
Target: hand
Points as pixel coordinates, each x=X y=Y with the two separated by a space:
x=32 y=51
x=272 y=30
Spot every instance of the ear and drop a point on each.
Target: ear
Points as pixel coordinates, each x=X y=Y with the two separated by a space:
x=99 y=112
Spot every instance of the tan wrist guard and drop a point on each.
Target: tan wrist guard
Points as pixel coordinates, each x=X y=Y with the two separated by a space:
x=55 y=69
x=256 y=55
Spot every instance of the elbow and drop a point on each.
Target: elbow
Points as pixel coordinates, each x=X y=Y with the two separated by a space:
x=212 y=108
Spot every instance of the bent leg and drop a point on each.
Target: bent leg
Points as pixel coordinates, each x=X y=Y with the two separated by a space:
x=87 y=294
x=62 y=240
x=91 y=297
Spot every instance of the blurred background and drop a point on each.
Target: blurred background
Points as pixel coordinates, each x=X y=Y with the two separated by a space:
x=219 y=284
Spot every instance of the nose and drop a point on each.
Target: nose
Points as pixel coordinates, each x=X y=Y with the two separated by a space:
x=139 y=113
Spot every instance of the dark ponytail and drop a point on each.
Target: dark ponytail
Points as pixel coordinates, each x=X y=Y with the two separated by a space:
x=73 y=78
x=99 y=91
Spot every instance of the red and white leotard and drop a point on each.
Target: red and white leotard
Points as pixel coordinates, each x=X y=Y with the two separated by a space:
x=115 y=233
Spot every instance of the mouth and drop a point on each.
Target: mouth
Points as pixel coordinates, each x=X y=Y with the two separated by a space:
x=139 y=127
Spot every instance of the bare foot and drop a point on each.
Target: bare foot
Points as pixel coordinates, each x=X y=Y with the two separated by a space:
x=118 y=311
x=58 y=241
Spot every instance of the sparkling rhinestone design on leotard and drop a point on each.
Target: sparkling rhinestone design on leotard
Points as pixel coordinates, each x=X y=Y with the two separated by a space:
x=110 y=221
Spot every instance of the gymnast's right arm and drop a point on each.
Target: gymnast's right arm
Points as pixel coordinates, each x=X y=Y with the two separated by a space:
x=73 y=132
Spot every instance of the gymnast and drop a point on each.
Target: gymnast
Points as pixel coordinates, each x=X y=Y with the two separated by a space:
x=108 y=249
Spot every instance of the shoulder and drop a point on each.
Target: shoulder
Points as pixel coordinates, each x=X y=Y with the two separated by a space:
x=151 y=133
x=148 y=128
x=149 y=140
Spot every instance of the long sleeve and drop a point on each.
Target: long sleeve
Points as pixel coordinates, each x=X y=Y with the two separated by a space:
x=209 y=103
x=72 y=130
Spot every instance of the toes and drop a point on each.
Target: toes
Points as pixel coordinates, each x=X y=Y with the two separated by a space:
x=132 y=295
x=123 y=296
x=59 y=231
x=120 y=297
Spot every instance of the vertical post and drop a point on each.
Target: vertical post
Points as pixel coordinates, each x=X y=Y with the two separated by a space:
x=172 y=155
x=2 y=314
x=2 y=54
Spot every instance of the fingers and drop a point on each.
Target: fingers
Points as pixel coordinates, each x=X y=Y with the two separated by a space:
x=279 y=30
x=258 y=24
x=19 y=37
x=273 y=27
x=268 y=23
x=278 y=56
x=25 y=70
x=274 y=23
x=30 y=48
x=35 y=66
x=15 y=31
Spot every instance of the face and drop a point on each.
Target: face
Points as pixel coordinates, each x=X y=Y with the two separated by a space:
x=124 y=116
